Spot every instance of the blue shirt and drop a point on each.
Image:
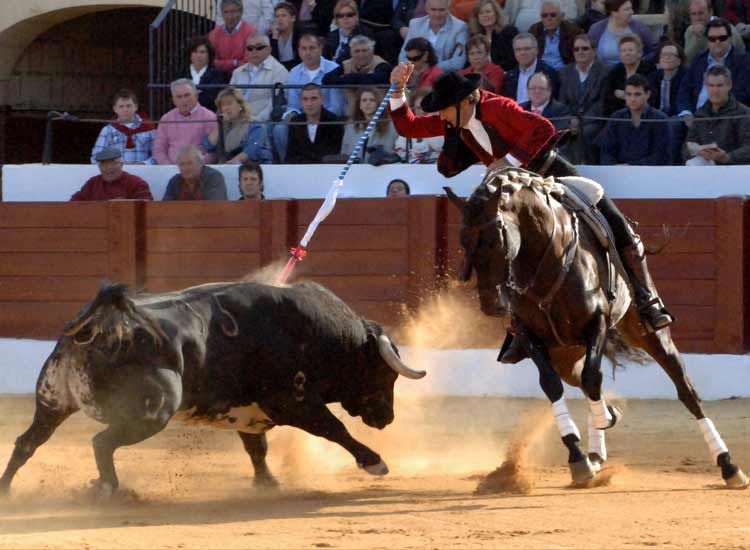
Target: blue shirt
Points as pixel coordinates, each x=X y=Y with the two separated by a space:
x=645 y=145
x=551 y=54
x=333 y=98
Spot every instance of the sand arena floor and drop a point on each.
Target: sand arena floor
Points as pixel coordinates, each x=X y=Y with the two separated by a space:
x=191 y=487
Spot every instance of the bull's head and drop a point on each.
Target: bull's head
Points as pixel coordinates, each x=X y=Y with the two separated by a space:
x=372 y=393
x=488 y=242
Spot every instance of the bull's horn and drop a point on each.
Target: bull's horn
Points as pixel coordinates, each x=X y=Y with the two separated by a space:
x=394 y=361
x=456 y=201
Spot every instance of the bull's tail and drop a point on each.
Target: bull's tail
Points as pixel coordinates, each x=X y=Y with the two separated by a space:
x=113 y=316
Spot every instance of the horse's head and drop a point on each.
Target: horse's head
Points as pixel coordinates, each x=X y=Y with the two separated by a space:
x=490 y=240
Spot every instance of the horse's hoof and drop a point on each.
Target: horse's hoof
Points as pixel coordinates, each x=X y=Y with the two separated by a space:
x=379 y=469
x=596 y=462
x=581 y=471
x=738 y=480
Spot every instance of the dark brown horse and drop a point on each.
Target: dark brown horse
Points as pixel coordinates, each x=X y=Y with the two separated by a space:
x=538 y=264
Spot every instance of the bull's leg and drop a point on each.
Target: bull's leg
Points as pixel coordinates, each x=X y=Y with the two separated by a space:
x=256 y=446
x=143 y=406
x=661 y=347
x=591 y=376
x=552 y=386
x=46 y=420
x=313 y=416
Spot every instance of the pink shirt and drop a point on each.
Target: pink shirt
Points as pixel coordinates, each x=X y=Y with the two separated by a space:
x=170 y=137
x=230 y=48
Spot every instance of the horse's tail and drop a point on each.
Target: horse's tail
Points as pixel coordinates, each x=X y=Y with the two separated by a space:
x=114 y=317
x=619 y=352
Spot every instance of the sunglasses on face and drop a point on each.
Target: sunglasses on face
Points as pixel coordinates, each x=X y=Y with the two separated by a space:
x=581 y=48
x=722 y=38
x=413 y=58
x=256 y=48
x=548 y=15
x=346 y=14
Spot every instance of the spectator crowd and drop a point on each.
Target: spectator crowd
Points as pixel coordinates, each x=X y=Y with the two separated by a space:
x=298 y=82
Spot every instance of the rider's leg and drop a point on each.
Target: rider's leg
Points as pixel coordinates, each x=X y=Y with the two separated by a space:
x=653 y=313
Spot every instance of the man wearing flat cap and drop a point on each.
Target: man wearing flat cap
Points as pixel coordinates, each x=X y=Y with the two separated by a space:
x=112 y=182
x=483 y=127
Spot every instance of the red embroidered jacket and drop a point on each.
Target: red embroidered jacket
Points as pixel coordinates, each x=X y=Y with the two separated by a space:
x=511 y=130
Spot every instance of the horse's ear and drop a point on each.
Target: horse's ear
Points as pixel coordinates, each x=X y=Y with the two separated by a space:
x=457 y=201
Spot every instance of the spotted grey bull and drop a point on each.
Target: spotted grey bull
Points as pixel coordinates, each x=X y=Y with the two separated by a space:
x=240 y=356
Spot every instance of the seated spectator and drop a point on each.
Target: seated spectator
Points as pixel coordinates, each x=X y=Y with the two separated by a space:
x=478 y=48
x=378 y=148
x=447 y=34
x=631 y=62
x=131 y=133
x=693 y=92
x=201 y=71
x=285 y=35
x=516 y=80
x=737 y=12
x=606 y=34
x=397 y=188
x=229 y=39
x=554 y=35
x=581 y=89
x=312 y=70
x=701 y=13
x=187 y=124
x=712 y=138
x=195 y=181
x=243 y=140
x=665 y=81
x=635 y=139
x=524 y=13
x=112 y=182
x=489 y=20
x=594 y=13
x=311 y=141
x=336 y=45
x=418 y=150
x=261 y=68
x=405 y=11
x=541 y=102
x=422 y=55
x=251 y=181
x=259 y=13
x=364 y=67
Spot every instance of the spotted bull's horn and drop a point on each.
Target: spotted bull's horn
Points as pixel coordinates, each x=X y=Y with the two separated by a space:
x=394 y=361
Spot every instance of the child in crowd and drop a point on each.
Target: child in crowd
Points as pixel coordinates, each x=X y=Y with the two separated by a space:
x=132 y=133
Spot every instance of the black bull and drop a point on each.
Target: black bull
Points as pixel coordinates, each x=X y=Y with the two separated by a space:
x=241 y=356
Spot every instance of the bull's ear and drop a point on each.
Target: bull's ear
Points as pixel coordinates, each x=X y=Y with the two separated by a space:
x=457 y=201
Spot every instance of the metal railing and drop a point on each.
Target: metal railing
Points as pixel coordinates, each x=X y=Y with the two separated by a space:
x=168 y=35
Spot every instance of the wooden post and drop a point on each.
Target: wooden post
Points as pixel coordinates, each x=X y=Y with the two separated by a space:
x=126 y=242
x=278 y=232
x=424 y=247
x=731 y=304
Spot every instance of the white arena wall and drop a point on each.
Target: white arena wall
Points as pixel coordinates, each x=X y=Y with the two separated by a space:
x=57 y=182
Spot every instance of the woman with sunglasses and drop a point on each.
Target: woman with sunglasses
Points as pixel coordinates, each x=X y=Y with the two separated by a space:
x=346 y=16
x=421 y=54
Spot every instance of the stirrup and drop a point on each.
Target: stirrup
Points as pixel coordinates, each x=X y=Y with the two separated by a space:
x=654 y=315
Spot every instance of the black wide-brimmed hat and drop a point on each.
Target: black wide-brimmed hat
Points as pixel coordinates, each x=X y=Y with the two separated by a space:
x=449 y=89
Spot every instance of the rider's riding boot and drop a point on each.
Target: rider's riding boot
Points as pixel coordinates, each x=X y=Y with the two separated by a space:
x=653 y=313
x=512 y=351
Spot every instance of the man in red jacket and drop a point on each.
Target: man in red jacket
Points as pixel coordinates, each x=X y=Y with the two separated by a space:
x=112 y=182
x=483 y=127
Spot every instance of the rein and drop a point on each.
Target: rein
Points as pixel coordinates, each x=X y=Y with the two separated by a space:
x=544 y=303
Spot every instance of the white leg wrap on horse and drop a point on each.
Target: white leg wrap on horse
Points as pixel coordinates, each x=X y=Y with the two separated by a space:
x=596 y=440
x=563 y=419
x=600 y=415
x=714 y=441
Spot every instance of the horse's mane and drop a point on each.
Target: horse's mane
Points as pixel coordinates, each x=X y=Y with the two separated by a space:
x=519 y=178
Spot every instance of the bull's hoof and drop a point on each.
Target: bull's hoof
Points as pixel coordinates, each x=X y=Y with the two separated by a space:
x=581 y=471
x=597 y=462
x=379 y=469
x=738 y=480
x=265 y=482
x=103 y=490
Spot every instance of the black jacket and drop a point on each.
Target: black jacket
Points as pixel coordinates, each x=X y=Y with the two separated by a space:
x=207 y=96
x=501 y=49
x=381 y=75
x=510 y=84
x=554 y=109
x=616 y=81
x=327 y=140
x=655 y=79
x=295 y=42
x=332 y=44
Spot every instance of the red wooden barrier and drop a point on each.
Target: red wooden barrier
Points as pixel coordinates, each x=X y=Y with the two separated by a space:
x=383 y=256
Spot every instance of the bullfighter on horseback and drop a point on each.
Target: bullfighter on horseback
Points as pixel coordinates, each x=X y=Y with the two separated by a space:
x=481 y=126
